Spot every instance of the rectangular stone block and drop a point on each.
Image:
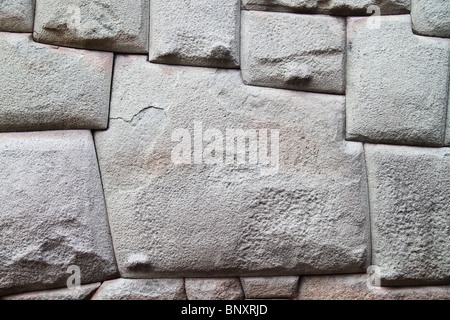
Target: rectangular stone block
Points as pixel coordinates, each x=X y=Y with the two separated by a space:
x=333 y=7
x=111 y=25
x=196 y=32
x=16 y=15
x=48 y=88
x=431 y=17
x=293 y=51
x=214 y=289
x=270 y=287
x=53 y=212
x=409 y=200
x=184 y=202
x=396 y=83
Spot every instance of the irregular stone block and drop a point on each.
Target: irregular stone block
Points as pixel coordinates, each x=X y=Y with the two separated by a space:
x=16 y=15
x=396 y=83
x=80 y=293
x=334 y=7
x=196 y=32
x=270 y=287
x=53 y=213
x=45 y=87
x=141 y=289
x=355 y=287
x=431 y=17
x=409 y=199
x=300 y=208
x=293 y=51
x=111 y=25
x=214 y=289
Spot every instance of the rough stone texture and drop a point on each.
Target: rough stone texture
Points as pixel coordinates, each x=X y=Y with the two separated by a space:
x=141 y=289
x=409 y=201
x=111 y=25
x=81 y=293
x=214 y=289
x=53 y=212
x=355 y=287
x=45 y=87
x=195 y=32
x=447 y=136
x=16 y=15
x=270 y=287
x=334 y=7
x=211 y=220
x=396 y=83
x=293 y=51
x=431 y=17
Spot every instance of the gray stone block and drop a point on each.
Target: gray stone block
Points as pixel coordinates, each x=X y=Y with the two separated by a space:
x=408 y=188
x=111 y=25
x=214 y=289
x=293 y=51
x=270 y=287
x=302 y=209
x=16 y=15
x=396 y=83
x=76 y=293
x=196 y=32
x=53 y=212
x=431 y=17
x=48 y=88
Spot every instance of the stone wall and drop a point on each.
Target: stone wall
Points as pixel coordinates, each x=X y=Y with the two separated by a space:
x=209 y=149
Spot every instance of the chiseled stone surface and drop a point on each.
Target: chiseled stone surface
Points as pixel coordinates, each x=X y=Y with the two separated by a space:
x=293 y=51
x=270 y=287
x=53 y=213
x=397 y=83
x=447 y=136
x=76 y=293
x=334 y=7
x=302 y=212
x=141 y=289
x=45 y=87
x=111 y=25
x=355 y=287
x=214 y=289
x=196 y=32
x=431 y=17
x=16 y=15
x=409 y=200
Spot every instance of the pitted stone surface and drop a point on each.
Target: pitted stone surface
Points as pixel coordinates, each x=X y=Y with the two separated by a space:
x=45 y=87
x=210 y=218
x=76 y=293
x=409 y=200
x=270 y=287
x=111 y=25
x=431 y=17
x=293 y=51
x=141 y=289
x=447 y=136
x=196 y=32
x=355 y=287
x=396 y=83
x=53 y=213
x=214 y=289
x=16 y=15
x=334 y=7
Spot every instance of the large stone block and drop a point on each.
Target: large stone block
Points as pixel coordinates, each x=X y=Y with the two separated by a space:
x=334 y=7
x=141 y=289
x=293 y=51
x=270 y=287
x=45 y=87
x=431 y=17
x=195 y=32
x=53 y=213
x=214 y=289
x=356 y=287
x=302 y=208
x=409 y=202
x=111 y=25
x=16 y=15
x=396 y=83
x=76 y=293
